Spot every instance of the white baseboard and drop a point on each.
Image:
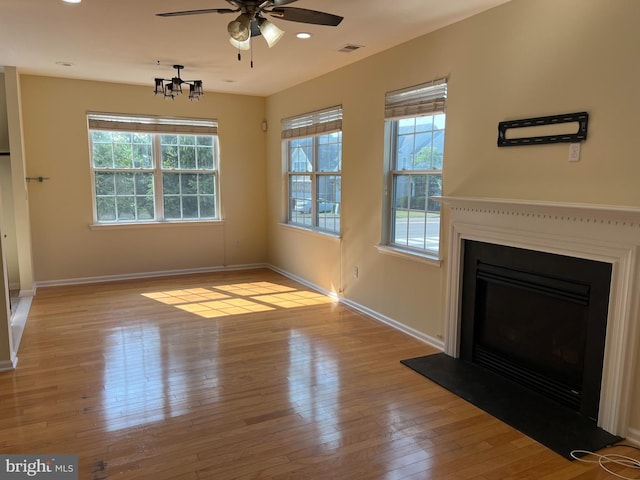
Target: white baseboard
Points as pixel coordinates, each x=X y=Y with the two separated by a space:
x=304 y=282
x=27 y=293
x=8 y=365
x=139 y=275
x=423 y=337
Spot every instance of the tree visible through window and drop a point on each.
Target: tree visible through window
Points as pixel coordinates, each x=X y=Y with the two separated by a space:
x=141 y=176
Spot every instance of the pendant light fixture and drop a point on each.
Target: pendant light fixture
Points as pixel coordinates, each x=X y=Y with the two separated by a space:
x=173 y=86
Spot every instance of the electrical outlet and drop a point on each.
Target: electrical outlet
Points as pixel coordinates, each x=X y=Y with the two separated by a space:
x=574 y=152
x=355 y=272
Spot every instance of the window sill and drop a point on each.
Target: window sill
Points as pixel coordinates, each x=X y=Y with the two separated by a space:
x=409 y=255
x=126 y=226
x=320 y=233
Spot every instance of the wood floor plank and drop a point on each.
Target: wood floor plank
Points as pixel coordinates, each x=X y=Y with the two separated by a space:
x=243 y=375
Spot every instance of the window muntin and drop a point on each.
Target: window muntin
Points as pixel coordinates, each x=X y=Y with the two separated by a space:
x=313 y=149
x=416 y=175
x=145 y=177
x=188 y=178
x=416 y=149
x=315 y=180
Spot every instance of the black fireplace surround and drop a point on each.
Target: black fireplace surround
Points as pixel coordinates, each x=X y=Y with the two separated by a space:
x=538 y=319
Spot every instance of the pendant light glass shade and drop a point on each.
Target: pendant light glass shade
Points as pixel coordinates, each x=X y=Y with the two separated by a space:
x=176 y=86
x=168 y=91
x=159 y=90
x=195 y=90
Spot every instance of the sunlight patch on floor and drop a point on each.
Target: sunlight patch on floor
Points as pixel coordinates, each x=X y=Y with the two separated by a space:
x=238 y=299
x=174 y=297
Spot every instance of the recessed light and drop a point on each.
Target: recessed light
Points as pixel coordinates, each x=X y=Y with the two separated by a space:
x=71 y=1
x=303 y=35
x=65 y=64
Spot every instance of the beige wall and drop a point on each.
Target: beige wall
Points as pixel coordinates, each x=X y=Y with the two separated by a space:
x=56 y=146
x=526 y=58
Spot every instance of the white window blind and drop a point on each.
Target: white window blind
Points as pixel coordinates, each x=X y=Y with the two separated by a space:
x=313 y=123
x=425 y=99
x=148 y=124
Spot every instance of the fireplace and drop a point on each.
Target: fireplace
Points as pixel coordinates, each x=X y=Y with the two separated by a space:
x=538 y=319
x=608 y=236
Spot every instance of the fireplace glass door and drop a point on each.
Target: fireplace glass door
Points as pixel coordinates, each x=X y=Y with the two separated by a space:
x=538 y=319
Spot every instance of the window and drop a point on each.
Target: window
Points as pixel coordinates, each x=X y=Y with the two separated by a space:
x=415 y=126
x=151 y=169
x=313 y=147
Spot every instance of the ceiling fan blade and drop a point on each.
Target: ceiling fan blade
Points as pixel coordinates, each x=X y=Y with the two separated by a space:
x=304 y=15
x=196 y=12
x=279 y=3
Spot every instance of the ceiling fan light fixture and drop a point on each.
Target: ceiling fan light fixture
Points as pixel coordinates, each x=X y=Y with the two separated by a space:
x=246 y=45
x=251 y=23
x=240 y=28
x=270 y=32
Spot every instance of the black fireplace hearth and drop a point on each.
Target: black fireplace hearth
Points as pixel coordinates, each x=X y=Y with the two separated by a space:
x=538 y=319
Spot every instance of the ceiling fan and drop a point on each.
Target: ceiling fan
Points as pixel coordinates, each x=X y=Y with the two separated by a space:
x=252 y=23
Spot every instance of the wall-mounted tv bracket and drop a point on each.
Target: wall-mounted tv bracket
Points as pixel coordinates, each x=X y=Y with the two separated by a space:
x=581 y=118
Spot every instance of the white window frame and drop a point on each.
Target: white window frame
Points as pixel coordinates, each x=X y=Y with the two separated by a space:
x=156 y=127
x=424 y=100
x=313 y=126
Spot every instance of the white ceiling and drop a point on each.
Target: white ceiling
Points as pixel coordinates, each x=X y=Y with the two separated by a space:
x=123 y=41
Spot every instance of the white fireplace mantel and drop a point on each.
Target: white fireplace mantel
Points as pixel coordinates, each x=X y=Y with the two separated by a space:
x=597 y=232
x=568 y=211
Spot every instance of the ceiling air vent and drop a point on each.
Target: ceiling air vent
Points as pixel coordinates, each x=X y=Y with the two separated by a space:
x=350 y=47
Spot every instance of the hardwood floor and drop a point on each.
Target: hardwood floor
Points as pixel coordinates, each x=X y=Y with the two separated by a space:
x=243 y=375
